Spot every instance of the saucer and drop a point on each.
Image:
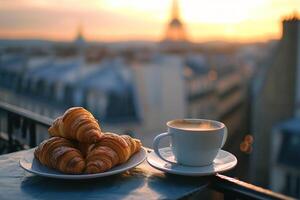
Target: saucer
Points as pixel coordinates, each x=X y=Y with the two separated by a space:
x=223 y=162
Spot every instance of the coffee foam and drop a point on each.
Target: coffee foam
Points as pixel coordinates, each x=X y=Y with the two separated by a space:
x=193 y=126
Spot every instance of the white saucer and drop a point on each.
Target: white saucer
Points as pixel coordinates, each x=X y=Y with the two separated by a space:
x=32 y=165
x=223 y=162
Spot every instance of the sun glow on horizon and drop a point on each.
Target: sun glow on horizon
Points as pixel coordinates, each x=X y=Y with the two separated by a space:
x=110 y=20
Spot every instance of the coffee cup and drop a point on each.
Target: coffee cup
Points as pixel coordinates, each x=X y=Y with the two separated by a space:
x=194 y=142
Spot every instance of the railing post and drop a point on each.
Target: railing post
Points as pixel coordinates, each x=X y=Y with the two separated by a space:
x=10 y=131
x=24 y=127
x=32 y=134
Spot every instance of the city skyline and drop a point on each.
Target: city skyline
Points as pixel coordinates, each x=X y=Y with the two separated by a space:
x=113 y=20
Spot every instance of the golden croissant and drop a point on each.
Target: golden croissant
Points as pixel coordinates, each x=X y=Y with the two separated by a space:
x=61 y=154
x=134 y=144
x=112 y=150
x=77 y=124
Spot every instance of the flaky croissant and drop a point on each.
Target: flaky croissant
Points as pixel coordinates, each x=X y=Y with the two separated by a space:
x=76 y=124
x=134 y=144
x=112 y=150
x=61 y=154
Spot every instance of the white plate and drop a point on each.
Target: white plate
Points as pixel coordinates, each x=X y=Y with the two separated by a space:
x=32 y=165
x=223 y=162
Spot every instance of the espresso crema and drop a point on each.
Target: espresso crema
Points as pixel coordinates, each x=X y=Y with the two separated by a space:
x=193 y=126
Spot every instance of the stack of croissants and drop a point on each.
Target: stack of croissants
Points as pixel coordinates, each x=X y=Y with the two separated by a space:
x=78 y=146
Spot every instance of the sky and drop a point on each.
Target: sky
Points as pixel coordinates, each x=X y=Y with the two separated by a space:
x=115 y=20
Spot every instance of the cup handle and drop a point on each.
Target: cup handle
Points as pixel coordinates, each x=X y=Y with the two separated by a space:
x=225 y=136
x=156 y=146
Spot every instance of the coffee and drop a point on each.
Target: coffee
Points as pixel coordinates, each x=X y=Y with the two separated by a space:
x=194 y=142
x=193 y=126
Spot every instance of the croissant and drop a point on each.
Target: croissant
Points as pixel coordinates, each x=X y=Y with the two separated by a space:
x=134 y=144
x=76 y=124
x=61 y=154
x=112 y=150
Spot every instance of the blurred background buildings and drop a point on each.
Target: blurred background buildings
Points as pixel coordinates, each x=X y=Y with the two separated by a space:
x=275 y=105
x=135 y=87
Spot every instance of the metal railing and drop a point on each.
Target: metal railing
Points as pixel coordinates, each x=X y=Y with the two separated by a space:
x=23 y=120
x=27 y=121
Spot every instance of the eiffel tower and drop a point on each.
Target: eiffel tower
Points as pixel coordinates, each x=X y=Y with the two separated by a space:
x=175 y=30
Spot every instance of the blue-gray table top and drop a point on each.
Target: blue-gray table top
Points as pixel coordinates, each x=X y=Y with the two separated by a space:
x=141 y=182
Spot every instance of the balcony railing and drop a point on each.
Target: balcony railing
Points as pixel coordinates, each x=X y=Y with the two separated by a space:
x=26 y=122
x=14 y=119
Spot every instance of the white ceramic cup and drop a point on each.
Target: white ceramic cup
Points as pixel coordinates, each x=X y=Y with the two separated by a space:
x=193 y=146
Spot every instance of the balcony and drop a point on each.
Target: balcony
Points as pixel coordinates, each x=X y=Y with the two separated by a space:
x=21 y=128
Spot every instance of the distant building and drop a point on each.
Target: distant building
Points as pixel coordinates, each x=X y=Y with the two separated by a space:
x=160 y=95
x=175 y=30
x=276 y=97
x=135 y=96
x=285 y=158
x=200 y=82
x=79 y=40
x=175 y=36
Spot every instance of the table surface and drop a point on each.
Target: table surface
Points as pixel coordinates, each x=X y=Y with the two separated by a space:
x=141 y=182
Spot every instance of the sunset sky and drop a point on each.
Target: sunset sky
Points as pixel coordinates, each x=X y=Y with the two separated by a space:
x=112 y=20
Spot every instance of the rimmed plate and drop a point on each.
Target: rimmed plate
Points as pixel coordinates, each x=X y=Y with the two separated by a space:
x=32 y=165
x=223 y=162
